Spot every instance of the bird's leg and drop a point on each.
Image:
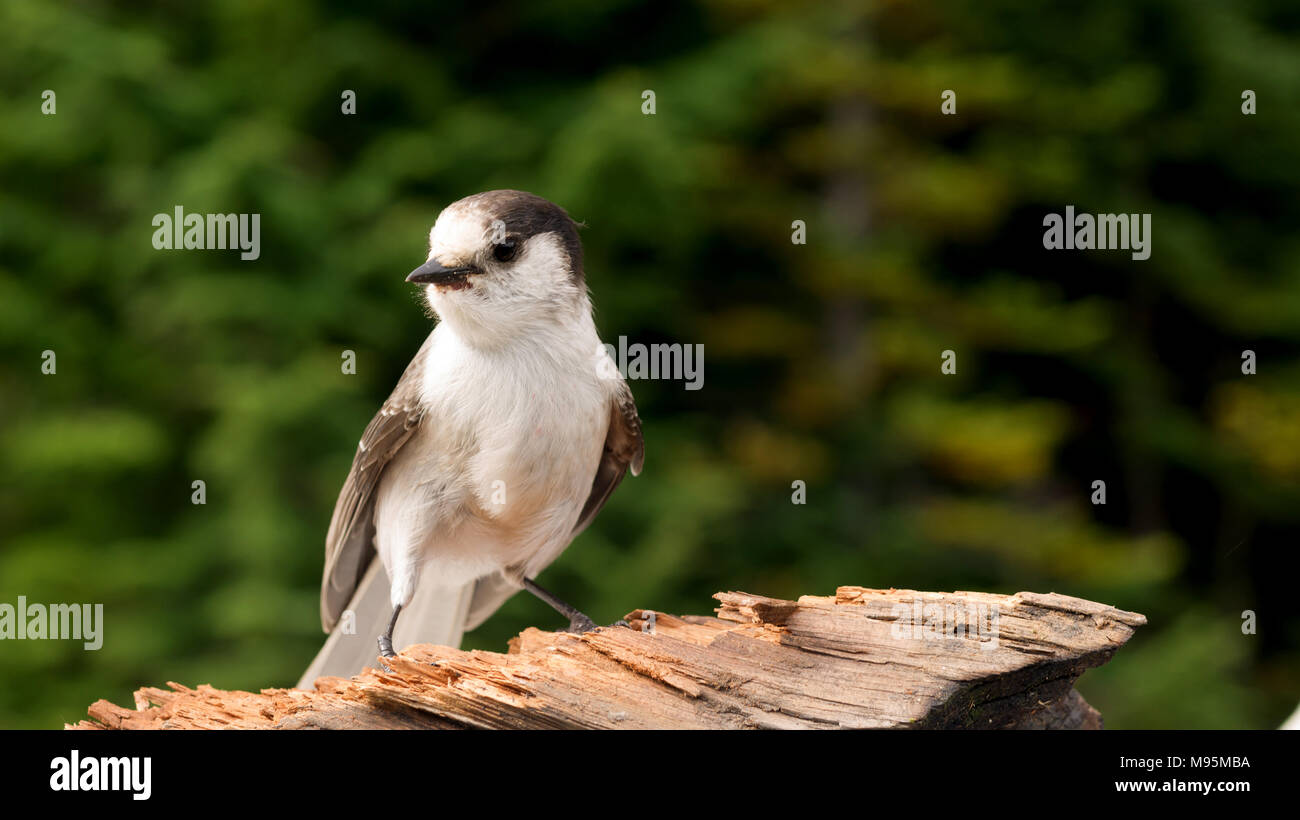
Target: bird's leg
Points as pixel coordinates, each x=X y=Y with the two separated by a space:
x=578 y=622
x=386 y=639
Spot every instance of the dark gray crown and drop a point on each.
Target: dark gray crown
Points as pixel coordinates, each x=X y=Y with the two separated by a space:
x=526 y=215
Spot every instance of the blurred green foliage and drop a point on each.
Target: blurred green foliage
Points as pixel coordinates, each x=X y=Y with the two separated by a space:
x=822 y=360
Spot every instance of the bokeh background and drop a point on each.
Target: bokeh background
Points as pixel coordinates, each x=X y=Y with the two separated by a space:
x=924 y=233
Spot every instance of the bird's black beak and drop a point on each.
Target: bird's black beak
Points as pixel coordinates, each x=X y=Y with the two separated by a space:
x=432 y=273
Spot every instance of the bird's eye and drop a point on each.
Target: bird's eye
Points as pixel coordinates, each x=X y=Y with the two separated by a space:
x=504 y=251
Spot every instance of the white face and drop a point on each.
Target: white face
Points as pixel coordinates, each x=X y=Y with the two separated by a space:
x=518 y=281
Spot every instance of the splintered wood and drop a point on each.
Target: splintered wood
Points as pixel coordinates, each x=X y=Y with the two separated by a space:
x=865 y=658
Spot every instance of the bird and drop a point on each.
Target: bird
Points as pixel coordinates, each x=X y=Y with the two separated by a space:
x=504 y=437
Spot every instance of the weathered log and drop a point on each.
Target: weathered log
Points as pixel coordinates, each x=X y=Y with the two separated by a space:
x=863 y=658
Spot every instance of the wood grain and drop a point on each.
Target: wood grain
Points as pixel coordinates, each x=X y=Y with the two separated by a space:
x=863 y=658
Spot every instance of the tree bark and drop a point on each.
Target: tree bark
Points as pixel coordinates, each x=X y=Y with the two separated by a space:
x=864 y=658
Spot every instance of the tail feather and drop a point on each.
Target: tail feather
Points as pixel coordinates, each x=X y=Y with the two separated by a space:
x=489 y=594
x=435 y=615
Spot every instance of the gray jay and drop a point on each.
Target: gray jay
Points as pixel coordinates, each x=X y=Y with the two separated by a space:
x=502 y=440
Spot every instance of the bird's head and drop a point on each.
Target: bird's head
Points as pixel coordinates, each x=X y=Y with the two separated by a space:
x=500 y=262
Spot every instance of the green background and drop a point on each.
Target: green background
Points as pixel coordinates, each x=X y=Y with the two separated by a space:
x=924 y=233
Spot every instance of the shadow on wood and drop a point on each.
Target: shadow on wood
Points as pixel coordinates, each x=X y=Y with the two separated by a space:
x=864 y=658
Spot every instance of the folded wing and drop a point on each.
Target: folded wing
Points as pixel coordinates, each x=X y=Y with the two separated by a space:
x=349 y=545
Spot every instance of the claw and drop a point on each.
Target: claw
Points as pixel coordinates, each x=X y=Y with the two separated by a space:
x=580 y=625
x=584 y=624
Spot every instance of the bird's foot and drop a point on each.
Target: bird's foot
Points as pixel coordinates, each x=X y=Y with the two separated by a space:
x=386 y=646
x=582 y=624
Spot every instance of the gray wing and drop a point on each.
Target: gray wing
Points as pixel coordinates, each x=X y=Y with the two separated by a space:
x=349 y=545
x=624 y=450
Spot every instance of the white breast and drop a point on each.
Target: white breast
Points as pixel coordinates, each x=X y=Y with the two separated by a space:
x=501 y=465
